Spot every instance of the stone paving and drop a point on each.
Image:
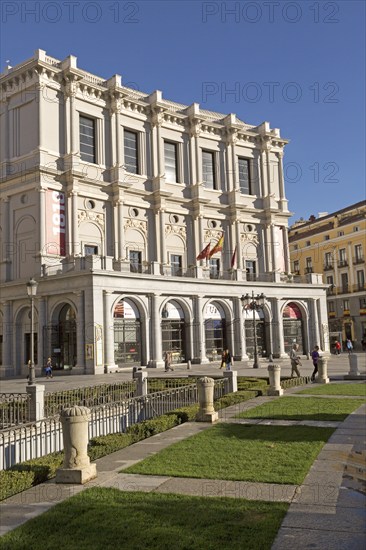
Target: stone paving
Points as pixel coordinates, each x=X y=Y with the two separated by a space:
x=327 y=511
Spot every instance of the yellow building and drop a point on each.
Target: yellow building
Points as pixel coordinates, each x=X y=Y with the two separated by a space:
x=334 y=245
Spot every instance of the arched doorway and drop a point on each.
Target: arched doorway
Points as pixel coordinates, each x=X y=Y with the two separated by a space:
x=127 y=333
x=260 y=328
x=215 y=331
x=293 y=328
x=173 y=331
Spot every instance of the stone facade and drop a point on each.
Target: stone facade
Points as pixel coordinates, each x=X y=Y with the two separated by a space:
x=108 y=195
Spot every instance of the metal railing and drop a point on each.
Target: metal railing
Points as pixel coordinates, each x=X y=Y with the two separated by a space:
x=36 y=439
x=14 y=409
x=90 y=396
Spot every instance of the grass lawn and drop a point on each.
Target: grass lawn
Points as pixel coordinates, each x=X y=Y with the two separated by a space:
x=337 y=389
x=102 y=518
x=304 y=408
x=272 y=454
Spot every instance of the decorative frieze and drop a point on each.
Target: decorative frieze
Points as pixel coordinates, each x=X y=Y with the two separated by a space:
x=88 y=215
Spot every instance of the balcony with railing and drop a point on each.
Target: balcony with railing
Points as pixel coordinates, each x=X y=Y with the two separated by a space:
x=358 y=260
x=343 y=263
x=359 y=287
x=126 y=268
x=328 y=267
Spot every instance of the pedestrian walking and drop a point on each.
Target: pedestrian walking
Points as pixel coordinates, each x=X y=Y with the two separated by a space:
x=49 y=368
x=315 y=357
x=168 y=361
x=295 y=360
x=349 y=346
x=223 y=359
x=337 y=346
x=228 y=360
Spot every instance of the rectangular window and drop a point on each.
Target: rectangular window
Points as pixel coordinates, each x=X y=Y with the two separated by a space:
x=328 y=259
x=171 y=161
x=87 y=139
x=309 y=265
x=135 y=261
x=362 y=303
x=176 y=265
x=358 y=252
x=214 y=265
x=342 y=255
x=346 y=305
x=330 y=280
x=250 y=268
x=331 y=306
x=131 y=152
x=297 y=267
x=360 y=280
x=244 y=176
x=326 y=237
x=90 y=249
x=208 y=169
x=344 y=282
x=340 y=233
x=308 y=243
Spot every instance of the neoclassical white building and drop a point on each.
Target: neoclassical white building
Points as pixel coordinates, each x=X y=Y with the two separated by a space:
x=108 y=195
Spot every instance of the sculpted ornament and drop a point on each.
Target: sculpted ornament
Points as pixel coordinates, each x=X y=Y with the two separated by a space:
x=91 y=216
x=136 y=224
x=175 y=230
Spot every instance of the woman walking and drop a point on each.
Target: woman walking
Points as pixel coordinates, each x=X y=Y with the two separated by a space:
x=295 y=360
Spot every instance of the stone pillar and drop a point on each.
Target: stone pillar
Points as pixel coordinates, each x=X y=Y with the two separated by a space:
x=109 y=364
x=322 y=371
x=231 y=379
x=157 y=351
x=278 y=330
x=8 y=334
x=314 y=323
x=76 y=467
x=206 y=413
x=200 y=331
x=42 y=225
x=274 y=372
x=36 y=402
x=80 y=329
x=353 y=366
x=141 y=379
x=240 y=344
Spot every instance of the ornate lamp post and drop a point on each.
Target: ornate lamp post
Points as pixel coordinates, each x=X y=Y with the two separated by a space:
x=254 y=303
x=32 y=291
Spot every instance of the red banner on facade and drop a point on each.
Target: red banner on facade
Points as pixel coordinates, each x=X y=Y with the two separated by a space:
x=55 y=223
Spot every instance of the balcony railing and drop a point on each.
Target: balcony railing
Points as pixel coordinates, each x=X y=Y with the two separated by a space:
x=308 y=269
x=342 y=263
x=359 y=287
x=358 y=260
x=328 y=267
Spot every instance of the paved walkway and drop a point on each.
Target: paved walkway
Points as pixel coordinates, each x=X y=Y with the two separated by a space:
x=327 y=511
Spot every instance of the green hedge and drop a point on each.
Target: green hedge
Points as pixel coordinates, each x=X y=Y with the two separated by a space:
x=33 y=472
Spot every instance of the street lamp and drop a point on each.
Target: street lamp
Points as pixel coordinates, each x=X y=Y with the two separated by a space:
x=254 y=303
x=32 y=291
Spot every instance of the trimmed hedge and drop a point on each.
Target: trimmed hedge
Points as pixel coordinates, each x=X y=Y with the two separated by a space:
x=33 y=472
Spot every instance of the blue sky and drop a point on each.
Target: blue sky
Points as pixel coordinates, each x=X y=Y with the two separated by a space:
x=299 y=65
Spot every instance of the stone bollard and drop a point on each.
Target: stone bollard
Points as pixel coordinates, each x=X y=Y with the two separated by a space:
x=36 y=402
x=206 y=411
x=141 y=379
x=189 y=365
x=231 y=380
x=274 y=372
x=353 y=366
x=76 y=467
x=322 y=371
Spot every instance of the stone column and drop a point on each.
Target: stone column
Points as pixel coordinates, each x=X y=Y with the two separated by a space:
x=76 y=468
x=141 y=380
x=42 y=322
x=231 y=377
x=314 y=322
x=206 y=413
x=286 y=250
x=200 y=331
x=354 y=373
x=109 y=363
x=164 y=258
x=239 y=259
x=274 y=248
x=274 y=372
x=80 y=330
x=157 y=350
x=36 y=401
x=322 y=371
x=42 y=224
x=278 y=330
x=240 y=345
x=8 y=332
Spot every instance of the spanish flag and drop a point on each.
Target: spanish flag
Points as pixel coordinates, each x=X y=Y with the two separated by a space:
x=205 y=253
x=233 y=259
x=218 y=246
